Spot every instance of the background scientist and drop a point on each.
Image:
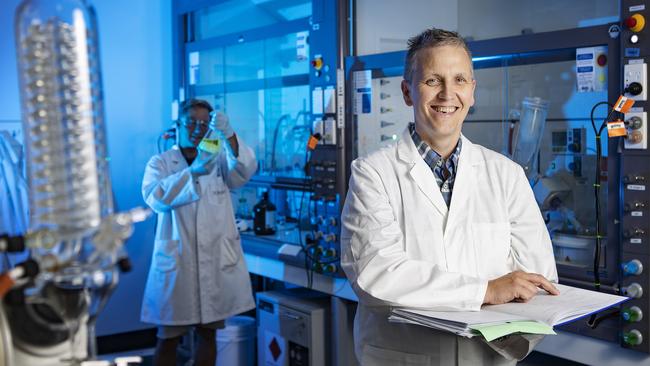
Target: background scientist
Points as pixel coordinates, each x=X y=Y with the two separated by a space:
x=198 y=276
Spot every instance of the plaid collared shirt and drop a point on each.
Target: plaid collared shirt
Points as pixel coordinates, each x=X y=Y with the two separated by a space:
x=444 y=171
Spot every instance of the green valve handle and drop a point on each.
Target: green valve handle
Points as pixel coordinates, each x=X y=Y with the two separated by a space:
x=633 y=338
x=330 y=252
x=632 y=314
x=329 y=268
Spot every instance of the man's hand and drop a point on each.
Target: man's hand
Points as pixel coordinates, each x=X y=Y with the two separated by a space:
x=222 y=123
x=517 y=286
x=203 y=163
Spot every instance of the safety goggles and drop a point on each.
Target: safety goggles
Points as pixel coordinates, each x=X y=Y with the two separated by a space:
x=193 y=123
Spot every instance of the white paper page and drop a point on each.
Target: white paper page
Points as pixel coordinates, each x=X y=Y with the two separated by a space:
x=468 y=333
x=468 y=317
x=572 y=303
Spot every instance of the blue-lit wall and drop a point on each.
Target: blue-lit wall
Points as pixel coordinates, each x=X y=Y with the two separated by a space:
x=9 y=101
x=135 y=41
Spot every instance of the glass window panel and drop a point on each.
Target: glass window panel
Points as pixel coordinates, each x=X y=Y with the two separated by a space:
x=555 y=82
x=478 y=20
x=237 y=16
x=499 y=97
x=274 y=122
x=282 y=57
x=210 y=67
x=245 y=61
x=273 y=57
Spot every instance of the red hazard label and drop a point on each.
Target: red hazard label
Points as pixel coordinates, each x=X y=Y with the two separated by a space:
x=275 y=349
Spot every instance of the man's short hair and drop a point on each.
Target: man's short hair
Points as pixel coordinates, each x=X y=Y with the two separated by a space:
x=189 y=104
x=431 y=38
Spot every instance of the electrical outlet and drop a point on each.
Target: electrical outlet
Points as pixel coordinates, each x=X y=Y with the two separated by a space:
x=636 y=73
x=637 y=130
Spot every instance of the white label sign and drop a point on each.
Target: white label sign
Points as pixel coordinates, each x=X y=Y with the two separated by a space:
x=362 y=95
x=194 y=67
x=636 y=187
x=590 y=76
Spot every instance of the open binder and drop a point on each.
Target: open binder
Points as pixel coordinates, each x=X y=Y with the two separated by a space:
x=537 y=316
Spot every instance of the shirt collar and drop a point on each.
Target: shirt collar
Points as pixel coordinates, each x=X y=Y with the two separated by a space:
x=428 y=154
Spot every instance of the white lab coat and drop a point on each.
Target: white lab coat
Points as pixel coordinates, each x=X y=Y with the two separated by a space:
x=198 y=274
x=401 y=246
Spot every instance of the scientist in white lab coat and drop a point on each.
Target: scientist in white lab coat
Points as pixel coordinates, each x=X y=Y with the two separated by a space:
x=198 y=276
x=437 y=222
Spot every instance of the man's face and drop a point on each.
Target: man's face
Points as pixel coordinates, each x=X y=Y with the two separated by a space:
x=441 y=90
x=193 y=127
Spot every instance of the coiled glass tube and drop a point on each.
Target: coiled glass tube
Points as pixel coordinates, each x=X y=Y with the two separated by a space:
x=63 y=120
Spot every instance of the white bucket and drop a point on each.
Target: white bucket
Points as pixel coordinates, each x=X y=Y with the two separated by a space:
x=236 y=342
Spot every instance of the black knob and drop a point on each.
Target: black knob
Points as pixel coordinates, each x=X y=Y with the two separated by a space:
x=634 y=88
x=124 y=264
x=574 y=147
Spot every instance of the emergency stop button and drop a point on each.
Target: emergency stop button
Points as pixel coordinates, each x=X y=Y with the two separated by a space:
x=317 y=63
x=635 y=23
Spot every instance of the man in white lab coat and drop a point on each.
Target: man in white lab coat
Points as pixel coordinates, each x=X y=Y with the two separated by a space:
x=437 y=222
x=198 y=276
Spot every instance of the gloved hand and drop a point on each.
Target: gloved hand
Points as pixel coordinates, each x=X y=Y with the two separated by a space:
x=222 y=123
x=203 y=163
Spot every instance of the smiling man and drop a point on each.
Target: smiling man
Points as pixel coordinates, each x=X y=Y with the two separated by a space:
x=437 y=222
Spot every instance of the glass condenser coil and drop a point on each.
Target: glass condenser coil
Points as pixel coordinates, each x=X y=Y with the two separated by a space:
x=63 y=120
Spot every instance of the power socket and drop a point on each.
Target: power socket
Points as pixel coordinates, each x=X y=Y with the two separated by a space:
x=637 y=72
x=637 y=134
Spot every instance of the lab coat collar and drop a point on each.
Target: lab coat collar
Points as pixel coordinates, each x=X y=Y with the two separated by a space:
x=177 y=159
x=426 y=181
x=408 y=153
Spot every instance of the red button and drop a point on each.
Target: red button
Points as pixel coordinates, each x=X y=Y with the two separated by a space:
x=630 y=22
x=602 y=60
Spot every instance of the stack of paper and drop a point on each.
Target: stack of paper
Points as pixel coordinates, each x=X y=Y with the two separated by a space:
x=537 y=316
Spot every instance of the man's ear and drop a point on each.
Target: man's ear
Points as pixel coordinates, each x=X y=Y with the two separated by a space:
x=406 y=93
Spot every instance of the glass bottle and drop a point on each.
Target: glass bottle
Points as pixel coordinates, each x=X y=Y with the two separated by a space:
x=264 y=219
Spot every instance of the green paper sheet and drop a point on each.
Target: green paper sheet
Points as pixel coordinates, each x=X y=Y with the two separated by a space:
x=492 y=332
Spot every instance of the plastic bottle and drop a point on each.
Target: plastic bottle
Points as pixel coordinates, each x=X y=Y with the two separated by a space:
x=264 y=220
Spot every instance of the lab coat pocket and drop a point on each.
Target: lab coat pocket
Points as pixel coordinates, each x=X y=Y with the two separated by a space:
x=230 y=252
x=166 y=255
x=375 y=356
x=492 y=244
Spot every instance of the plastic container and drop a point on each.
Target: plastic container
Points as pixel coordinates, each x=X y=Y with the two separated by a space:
x=236 y=342
x=529 y=135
